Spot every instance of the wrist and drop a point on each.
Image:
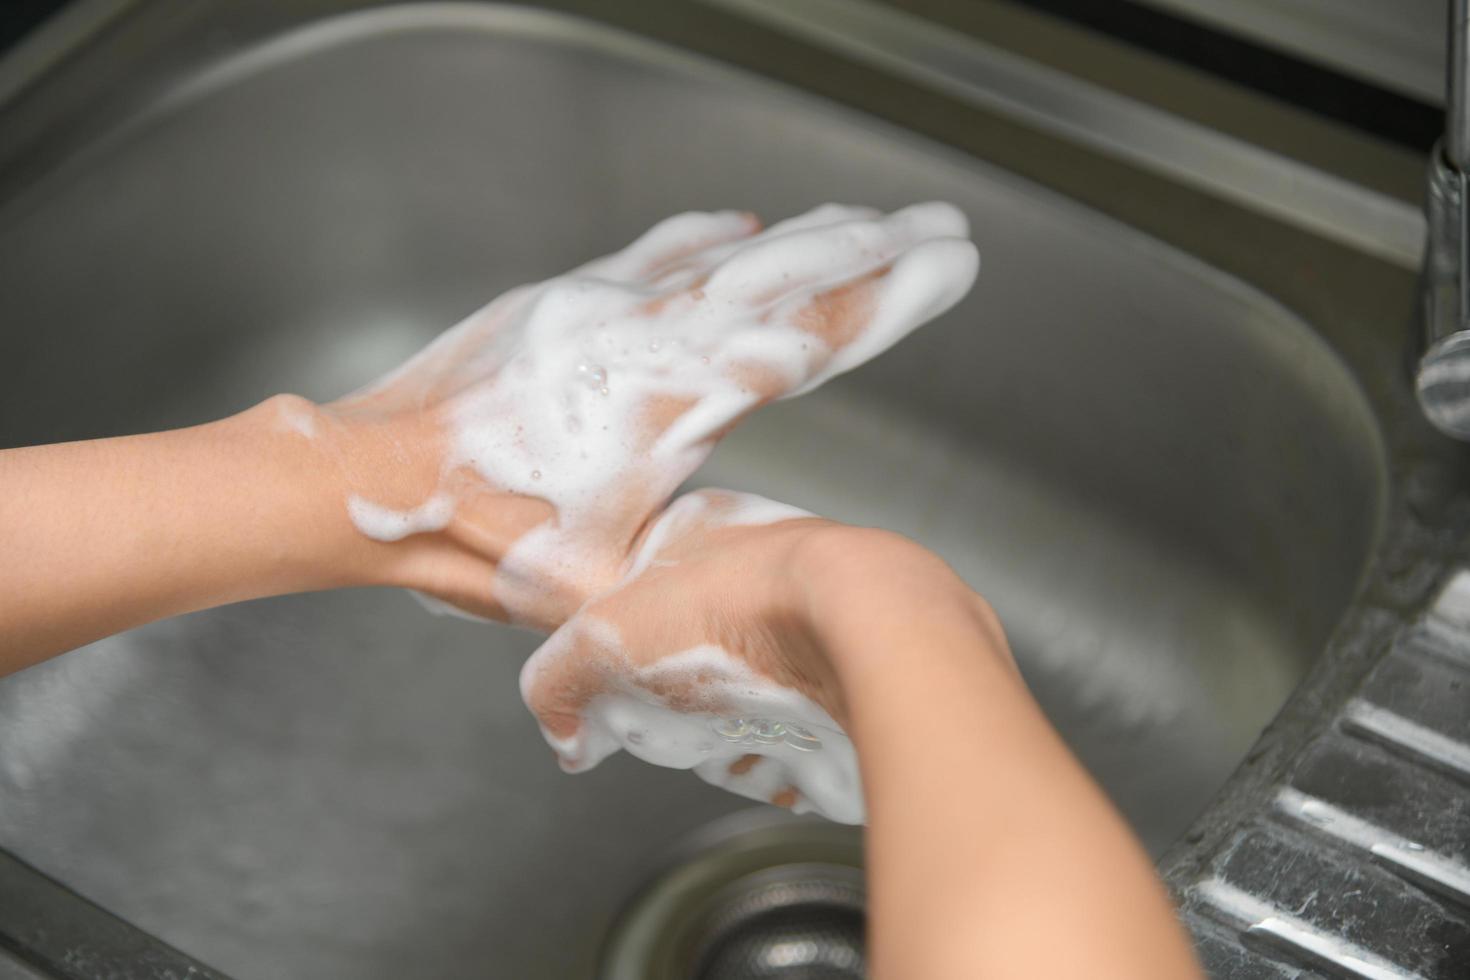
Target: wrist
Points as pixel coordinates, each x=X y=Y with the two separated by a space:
x=301 y=489
x=385 y=510
x=870 y=599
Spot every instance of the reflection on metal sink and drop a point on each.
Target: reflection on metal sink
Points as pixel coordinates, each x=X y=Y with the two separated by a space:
x=1164 y=481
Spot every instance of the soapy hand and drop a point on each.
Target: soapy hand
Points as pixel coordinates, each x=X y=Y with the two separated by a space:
x=587 y=399
x=697 y=659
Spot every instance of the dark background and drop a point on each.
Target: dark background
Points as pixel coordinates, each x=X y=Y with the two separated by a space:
x=1388 y=115
x=19 y=16
x=1347 y=100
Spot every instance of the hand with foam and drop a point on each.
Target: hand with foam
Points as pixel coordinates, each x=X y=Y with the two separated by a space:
x=528 y=448
x=747 y=641
x=517 y=458
x=697 y=659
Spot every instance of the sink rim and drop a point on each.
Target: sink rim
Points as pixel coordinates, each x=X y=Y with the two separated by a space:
x=1391 y=474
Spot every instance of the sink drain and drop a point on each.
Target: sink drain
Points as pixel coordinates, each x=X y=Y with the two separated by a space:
x=756 y=897
x=798 y=922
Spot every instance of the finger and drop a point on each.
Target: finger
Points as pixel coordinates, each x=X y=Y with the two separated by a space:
x=931 y=219
x=670 y=241
x=821 y=216
x=558 y=682
x=694 y=425
x=667 y=531
x=733 y=508
x=922 y=283
x=766 y=268
x=836 y=316
x=764 y=367
x=696 y=266
x=755 y=777
x=696 y=249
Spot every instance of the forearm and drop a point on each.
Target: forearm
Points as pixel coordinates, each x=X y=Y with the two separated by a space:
x=104 y=535
x=978 y=814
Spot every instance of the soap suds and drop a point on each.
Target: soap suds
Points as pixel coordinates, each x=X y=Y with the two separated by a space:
x=732 y=726
x=799 y=746
x=297 y=419
x=439 y=607
x=387 y=524
x=554 y=388
x=566 y=417
x=555 y=382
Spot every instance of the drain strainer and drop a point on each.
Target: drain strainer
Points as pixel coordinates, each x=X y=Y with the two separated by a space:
x=796 y=922
x=759 y=896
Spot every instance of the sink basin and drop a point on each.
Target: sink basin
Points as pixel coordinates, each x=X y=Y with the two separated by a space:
x=1167 y=484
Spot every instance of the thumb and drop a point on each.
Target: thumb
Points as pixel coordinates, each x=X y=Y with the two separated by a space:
x=558 y=683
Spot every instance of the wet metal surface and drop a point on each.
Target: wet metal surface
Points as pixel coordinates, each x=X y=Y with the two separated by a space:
x=1362 y=866
x=1167 y=483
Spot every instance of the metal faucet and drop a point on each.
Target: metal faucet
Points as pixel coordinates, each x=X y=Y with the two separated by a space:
x=1442 y=380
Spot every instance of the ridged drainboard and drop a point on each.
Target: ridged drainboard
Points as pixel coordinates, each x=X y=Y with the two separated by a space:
x=1359 y=868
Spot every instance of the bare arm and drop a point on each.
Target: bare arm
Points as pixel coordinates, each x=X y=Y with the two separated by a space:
x=574 y=407
x=991 y=853
x=988 y=840
x=103 y=535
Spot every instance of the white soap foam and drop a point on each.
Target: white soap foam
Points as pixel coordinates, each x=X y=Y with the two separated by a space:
x=736 y=712
x=387 y=524
x=553 y=384
x=800 y=747
x=558 y=377
x=565 y=418
x=297 y=418
x=439 y=607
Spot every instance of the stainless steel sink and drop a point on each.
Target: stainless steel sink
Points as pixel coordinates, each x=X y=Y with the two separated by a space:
x=1167 y=483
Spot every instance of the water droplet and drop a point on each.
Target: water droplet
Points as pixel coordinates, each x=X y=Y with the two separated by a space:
x=592 y=375
x=635 y=737
x=1413 y=845
x=802 y=739
x=653 y=346
x=768 y=732
x=704 y=359
x=602 y=390
x=731 y=729
x=535 y=474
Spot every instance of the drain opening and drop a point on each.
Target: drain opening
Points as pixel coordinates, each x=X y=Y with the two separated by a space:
x=794 y=922
x=752 y=897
